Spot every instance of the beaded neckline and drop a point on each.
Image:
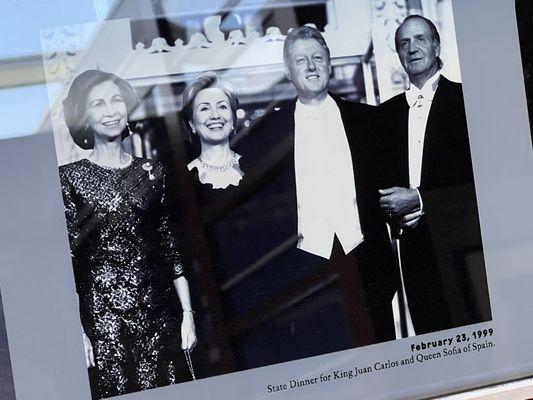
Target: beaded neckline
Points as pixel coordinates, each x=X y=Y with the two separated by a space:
x=220 y=168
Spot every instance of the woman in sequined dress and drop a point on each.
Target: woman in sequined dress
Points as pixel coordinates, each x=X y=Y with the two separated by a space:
x=126 y=262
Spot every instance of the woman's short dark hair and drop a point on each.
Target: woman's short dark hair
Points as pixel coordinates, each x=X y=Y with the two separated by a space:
x=75 y=104
x=206 y=80
x=303 y=32
x=432 y=28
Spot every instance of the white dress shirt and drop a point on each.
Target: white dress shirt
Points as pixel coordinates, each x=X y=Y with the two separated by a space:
x=419 y=101
x=325 y=184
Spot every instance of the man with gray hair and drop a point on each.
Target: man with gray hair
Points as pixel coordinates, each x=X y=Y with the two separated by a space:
x=316 y=145
x=428 y=189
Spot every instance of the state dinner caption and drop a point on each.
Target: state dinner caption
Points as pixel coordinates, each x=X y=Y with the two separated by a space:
x=423 y=351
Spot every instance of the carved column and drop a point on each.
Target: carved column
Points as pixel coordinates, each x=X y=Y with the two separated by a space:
x=415 y=6
x=449 y=52
x=387 y=15
x=429 y=8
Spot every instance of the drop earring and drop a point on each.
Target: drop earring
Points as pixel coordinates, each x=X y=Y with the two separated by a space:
x=86 y=134
x=130 y=132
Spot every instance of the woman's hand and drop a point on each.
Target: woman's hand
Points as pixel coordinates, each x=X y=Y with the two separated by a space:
x=89 y=355
x=188 y=331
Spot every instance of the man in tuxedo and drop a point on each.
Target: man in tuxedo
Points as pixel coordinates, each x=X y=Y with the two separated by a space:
x=429 y=194
x=312 y=152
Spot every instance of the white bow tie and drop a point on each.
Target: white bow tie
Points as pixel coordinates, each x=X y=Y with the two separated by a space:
x=415 y=99
x=419 y=97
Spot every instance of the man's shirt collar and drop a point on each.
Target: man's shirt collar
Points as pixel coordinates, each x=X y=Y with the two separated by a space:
x=413 y=94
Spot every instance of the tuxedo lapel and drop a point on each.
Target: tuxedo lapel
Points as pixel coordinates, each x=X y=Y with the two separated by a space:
x=282 y=128
x=402 y=143
x=349 y=118
x=435 y=135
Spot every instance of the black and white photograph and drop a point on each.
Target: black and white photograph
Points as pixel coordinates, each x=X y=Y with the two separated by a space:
x=262 y=182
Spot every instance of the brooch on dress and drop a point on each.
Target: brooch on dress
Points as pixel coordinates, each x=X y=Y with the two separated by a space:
x=148 y=168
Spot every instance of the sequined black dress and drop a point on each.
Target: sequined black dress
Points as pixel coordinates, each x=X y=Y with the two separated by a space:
x=125 y=259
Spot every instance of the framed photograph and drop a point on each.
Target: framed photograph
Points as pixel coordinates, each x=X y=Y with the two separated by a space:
x=283 y=199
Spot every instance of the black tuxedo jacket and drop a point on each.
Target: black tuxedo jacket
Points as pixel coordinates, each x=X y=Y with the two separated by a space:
x=442 y=257
x=267 y=150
